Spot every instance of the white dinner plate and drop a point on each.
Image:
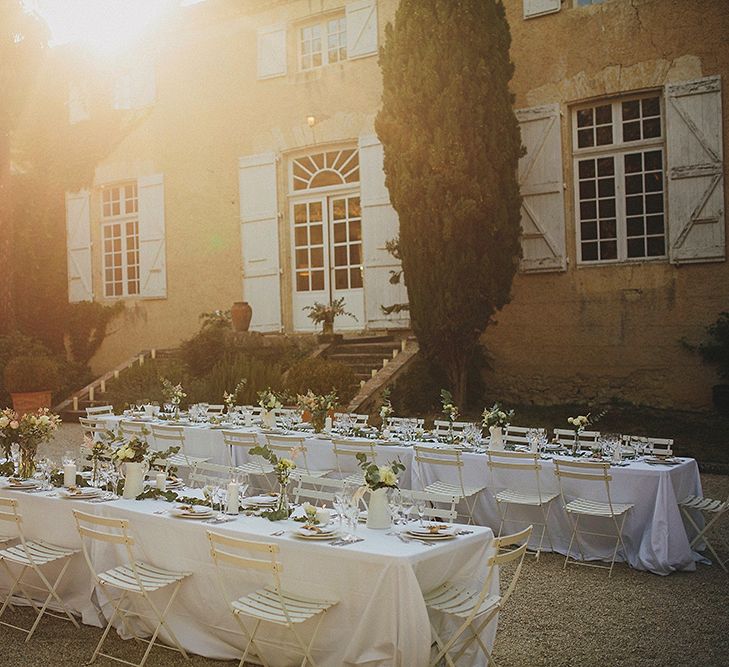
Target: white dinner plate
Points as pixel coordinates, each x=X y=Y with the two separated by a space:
x=193 y=512
x=447 y=533
x=81 y=493
x=264 y=500
x=21 y=484
x=308 y=534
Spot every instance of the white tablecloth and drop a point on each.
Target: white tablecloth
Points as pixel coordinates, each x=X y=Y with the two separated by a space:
x=380 y=619
x=654 y=534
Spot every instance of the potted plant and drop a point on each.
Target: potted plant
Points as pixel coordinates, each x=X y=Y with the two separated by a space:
x=30 y=381
x=324 y=314
x=715 y=350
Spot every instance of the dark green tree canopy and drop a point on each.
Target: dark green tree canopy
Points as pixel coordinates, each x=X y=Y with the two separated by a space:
x=451 y=144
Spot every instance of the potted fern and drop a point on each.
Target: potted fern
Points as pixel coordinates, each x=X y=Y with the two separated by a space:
x=30 y=381
x=324 y=314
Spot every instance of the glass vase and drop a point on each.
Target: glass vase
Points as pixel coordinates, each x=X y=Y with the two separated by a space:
x=26 y=463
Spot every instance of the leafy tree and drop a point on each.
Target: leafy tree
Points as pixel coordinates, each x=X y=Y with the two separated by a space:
x=451 y=144
x=23 y=53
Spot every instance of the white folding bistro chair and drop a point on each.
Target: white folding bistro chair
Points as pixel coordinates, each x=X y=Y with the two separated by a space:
x=282 y=446
x=174 y=436
x=431 y=501
x=33 y=556
x=128 y=428
x=98 y=410
x=213 y=474
x=356 y=420
x=133 y=578
x=527 y=491
x=266 y=605
x=443 y=428
x=215 y=410
x=597 y=474
x=655 y=446
x=396 y=423
x=711 y=511
x=442 y=460
x=96 y=429
x=585 y=439
x=345 y=453
x=317 y=490
x=475 y=606
x=254 y=465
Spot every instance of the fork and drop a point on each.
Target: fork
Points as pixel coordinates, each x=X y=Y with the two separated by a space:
x=411 y=539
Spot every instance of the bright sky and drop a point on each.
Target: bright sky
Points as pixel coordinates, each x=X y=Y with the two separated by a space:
x=106 y=25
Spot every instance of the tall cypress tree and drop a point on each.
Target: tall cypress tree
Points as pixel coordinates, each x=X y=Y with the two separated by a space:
x=451 y=143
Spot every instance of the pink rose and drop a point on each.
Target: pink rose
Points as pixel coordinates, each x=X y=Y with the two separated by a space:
x=14 y=424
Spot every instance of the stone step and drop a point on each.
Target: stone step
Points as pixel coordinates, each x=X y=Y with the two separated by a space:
x=359 y=340
x=365 y=348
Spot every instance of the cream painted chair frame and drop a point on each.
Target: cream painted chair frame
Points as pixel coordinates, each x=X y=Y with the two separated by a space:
x=358 y=420
x=96 y=410
x=32 y=555
x=215 y=410
x=129 y=427
x=525 y=463
x=174 y=436
x=132 y=578
x=270 y=604
x=450 y=458
x=442 y=427
x=283 y=444
x=476 y=606
x=599 y=474
x=255 y=465
x=711 y=512
x=205 y=473
x=346 y=450
x=586 y=439
x=656 y=446
x=431 y=510
x=395 y=423
x=317 y=490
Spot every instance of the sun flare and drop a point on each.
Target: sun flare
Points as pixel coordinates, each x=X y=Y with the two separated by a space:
x=107 y=26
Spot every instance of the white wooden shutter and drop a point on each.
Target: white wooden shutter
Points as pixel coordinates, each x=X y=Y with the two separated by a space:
x=534 y=8
x=379 y=225
x=695 y=171
x=271 y=51
x=152 y=264
x=78 y=246
x=361 y=28
x=259 y=240
x=542 y=190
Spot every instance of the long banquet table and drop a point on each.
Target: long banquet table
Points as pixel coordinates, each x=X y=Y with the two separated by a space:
x=654 y=534
x=380 y=618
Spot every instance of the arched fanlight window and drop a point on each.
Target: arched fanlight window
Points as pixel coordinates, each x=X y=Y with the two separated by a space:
x=320 y=170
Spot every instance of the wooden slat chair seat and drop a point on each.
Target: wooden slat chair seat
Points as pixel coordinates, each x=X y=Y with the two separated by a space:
x=597 y=474
x=255 y=465
x=474 y=605
x=447 y=459
x=317 y=490
x=31 y=556
x=97 y=410
x=526 y=491
x=132 y=578
x=345 y=452
x=174 y=436
x=711 y=511
x=282 y=446
x=269 y=604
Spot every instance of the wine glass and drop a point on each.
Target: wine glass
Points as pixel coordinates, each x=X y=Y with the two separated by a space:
x=420 y=509
x=395 y=505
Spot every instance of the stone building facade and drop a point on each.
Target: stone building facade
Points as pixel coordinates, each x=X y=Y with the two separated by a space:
x=254 y=174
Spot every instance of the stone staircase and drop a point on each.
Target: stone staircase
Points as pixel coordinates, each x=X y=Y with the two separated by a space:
x=365 y=355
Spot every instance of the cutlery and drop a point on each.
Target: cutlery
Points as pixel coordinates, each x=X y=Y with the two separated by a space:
x=411 y=539
x=277 y=533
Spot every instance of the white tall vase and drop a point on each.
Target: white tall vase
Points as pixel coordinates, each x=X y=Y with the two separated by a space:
x=133 y=479
x=497 y=437
x=268 y=418
x=378 y=510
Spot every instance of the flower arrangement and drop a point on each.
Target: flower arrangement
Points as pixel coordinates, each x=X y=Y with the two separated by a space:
x=496 y=416
x=450 y=410
x=578 y=423
x=98 y=452
x=380 y=477
x=229 y=399
x=321 y=313
x=318 y=406
x=134 y=450
x=269 y=399
x=173 y=393
x=282 y=468
x=28 y=431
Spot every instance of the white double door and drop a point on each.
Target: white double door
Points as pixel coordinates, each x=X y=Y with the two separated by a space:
x=327 y=257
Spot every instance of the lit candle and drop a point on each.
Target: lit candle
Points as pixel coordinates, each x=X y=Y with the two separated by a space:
x=69 y=474
x=248 y=418
x=161 y=481
x=232 y=507
x=328 y=424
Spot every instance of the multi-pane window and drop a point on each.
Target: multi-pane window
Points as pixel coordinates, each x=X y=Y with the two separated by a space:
x=619 y=179
x=318 y=170
x=309 y=246
x=347 y=242
x=323 y=43
x=120 y=239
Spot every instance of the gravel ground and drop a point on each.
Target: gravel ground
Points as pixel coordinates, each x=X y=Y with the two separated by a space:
x=573 y=618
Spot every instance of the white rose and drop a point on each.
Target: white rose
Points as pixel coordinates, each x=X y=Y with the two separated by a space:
x=4 y=421
x=387 y=477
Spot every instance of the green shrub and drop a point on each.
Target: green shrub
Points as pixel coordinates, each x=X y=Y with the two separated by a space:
x=27 y=374
x=321 y=375
x=17 y=345
x=142 y=382
x=205 y=349
x=86 y=326
x=225 y=375
x=715 y=350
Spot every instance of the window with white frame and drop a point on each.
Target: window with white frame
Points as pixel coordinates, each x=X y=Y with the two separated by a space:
x=619 y=179
x=323 y=43
x=120 y=239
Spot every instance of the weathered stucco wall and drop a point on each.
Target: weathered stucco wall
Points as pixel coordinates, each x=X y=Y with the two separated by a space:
x=613 y=331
